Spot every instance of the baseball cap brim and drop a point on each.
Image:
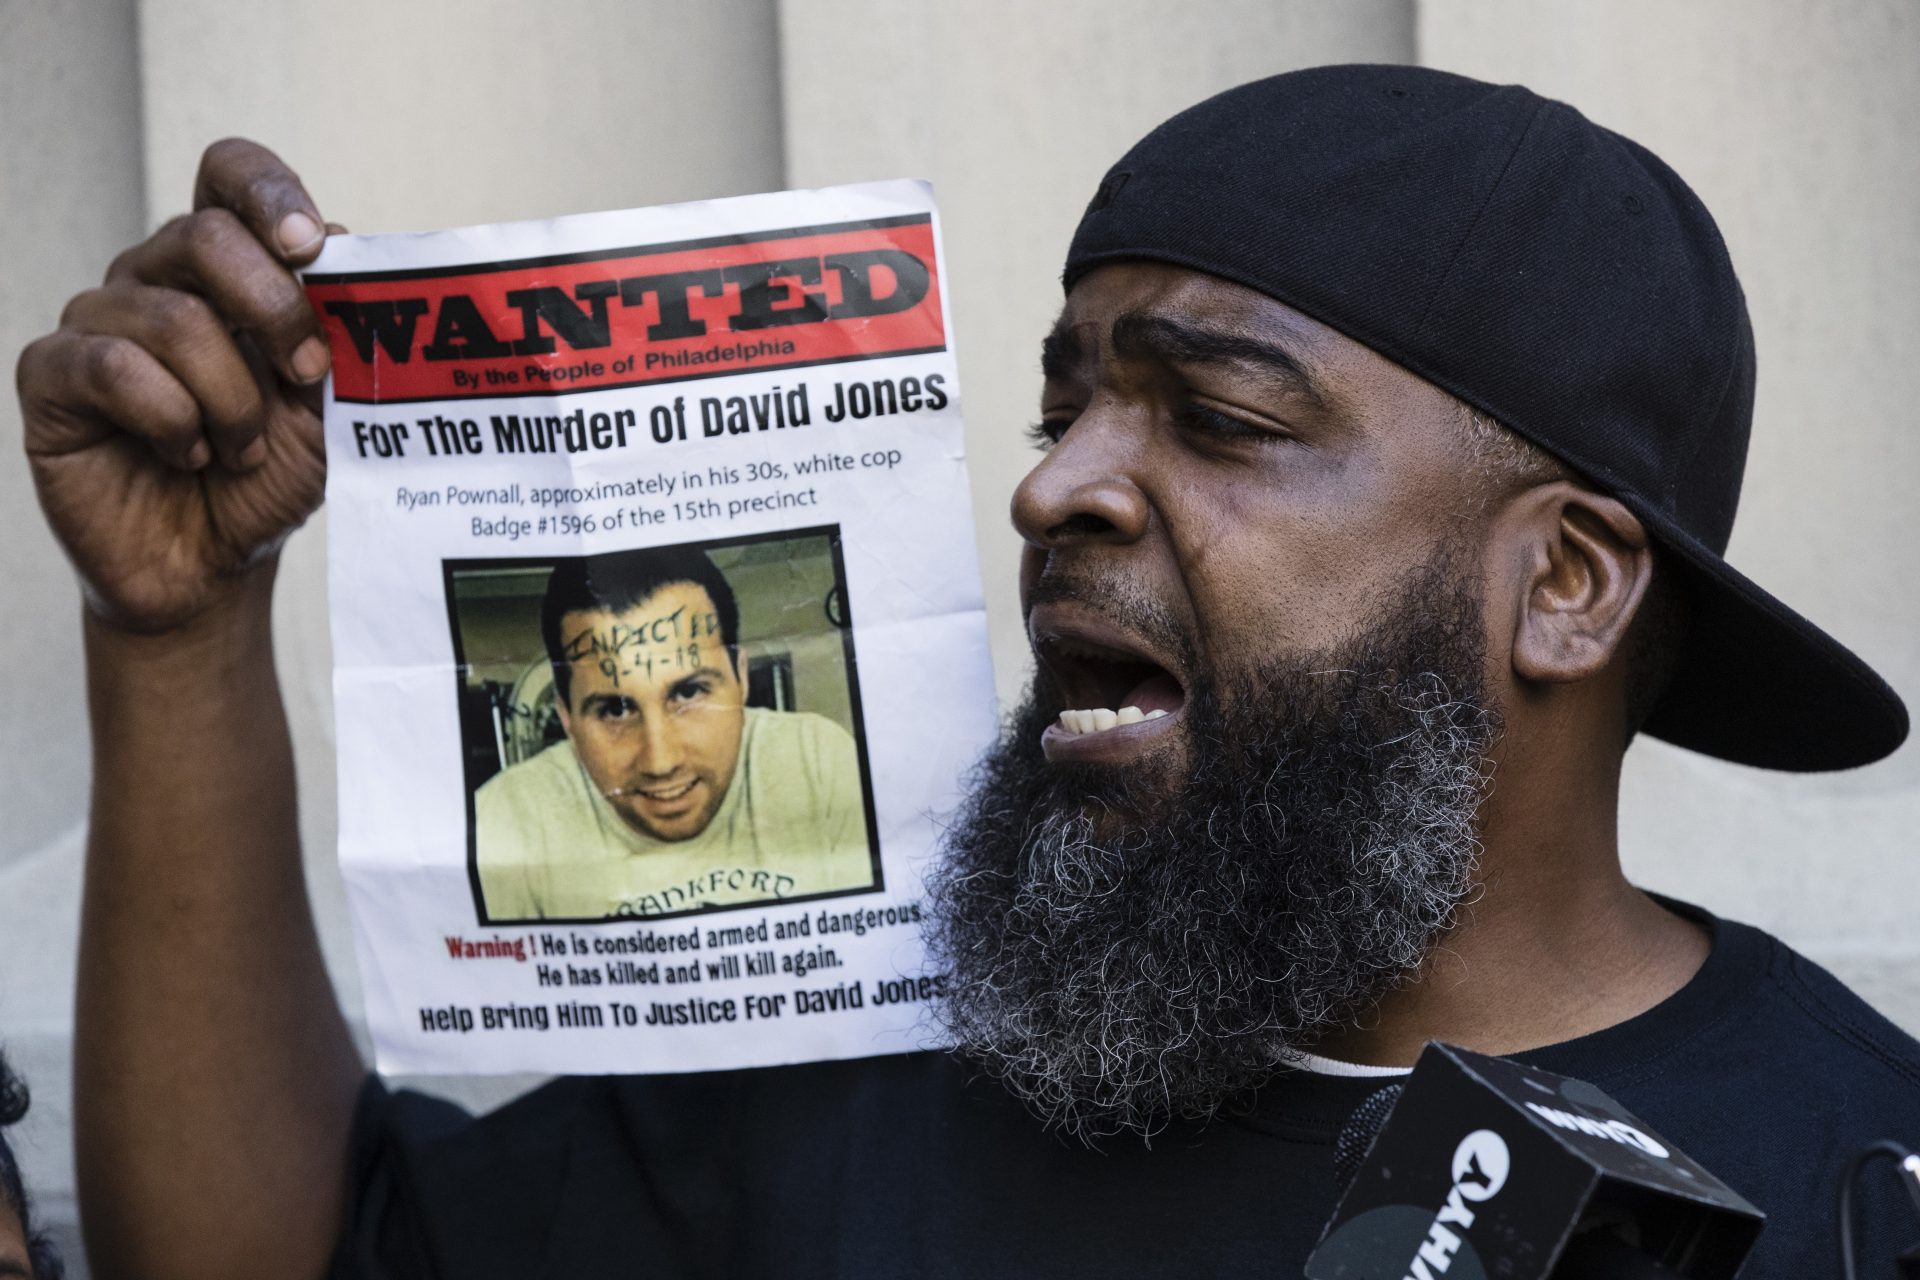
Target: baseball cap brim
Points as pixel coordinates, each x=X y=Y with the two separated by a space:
x=1757 y=683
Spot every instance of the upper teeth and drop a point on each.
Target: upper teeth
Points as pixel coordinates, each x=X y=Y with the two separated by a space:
x=667 y=793
x=1100 y=719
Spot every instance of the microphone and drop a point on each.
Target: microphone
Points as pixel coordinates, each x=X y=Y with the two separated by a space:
x=1478 y=1167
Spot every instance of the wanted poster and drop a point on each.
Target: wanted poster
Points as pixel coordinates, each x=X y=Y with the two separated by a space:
x=658 y=639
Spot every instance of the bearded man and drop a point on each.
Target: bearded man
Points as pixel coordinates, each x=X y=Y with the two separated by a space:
x=1395 y=425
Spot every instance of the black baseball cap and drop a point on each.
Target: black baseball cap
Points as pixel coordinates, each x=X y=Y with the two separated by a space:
x=1555 y=276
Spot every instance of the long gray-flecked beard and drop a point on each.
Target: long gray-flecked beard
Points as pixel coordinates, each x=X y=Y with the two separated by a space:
x=1120 y=952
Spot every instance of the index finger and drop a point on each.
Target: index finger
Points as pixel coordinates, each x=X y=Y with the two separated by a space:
x=257 y=187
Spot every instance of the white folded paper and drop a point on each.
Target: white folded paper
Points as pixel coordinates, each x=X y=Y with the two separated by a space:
x=658 y=639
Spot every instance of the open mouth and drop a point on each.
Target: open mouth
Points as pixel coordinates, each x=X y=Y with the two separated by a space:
x=1105 y=682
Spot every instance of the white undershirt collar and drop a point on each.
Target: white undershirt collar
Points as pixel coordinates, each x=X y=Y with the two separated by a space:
x=1319 y=1066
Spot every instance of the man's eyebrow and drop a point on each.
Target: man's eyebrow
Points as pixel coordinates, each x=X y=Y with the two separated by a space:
x=603 y=695
x=1139 y=335
x=1059 y=351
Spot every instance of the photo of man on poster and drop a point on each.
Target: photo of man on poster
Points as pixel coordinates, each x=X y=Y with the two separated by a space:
x=668 y=793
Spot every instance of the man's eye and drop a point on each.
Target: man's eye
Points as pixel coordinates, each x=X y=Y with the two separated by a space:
x=689 y=690
x=1045 y=434
x=1211 y=422
x=617 y=709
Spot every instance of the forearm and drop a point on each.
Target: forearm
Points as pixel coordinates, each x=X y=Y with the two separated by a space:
x=214 y=1075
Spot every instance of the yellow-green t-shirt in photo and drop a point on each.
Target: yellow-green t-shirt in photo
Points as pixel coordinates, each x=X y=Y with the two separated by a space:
x=550 y=846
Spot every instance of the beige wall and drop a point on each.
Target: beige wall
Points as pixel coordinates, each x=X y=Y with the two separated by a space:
x=431 y=113
x=1790 y=116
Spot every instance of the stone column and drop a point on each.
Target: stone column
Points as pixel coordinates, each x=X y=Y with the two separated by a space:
x=70 y=183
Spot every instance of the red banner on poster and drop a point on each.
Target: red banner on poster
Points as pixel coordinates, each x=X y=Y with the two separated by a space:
x=629 y=317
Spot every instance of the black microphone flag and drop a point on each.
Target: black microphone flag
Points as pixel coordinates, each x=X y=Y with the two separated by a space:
x=1487 y=1168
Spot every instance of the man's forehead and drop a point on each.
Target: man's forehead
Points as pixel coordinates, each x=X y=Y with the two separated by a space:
x=677 y=615
x=1151 y=311
x=1126 y=311
x=667 y=600
x=649 y=645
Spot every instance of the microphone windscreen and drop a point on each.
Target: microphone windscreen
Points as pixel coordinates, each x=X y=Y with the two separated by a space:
x=1356 y=1136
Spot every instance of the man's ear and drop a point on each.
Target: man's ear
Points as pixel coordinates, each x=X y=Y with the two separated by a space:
x=1586 y=563
x=560 y=709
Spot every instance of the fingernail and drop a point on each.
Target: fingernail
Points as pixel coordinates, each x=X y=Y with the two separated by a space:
x=298 y=233
x=200 y=455
x=254 y=454
x=310 y=360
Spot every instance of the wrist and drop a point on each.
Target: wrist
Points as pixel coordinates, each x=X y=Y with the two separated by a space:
x=235 y=625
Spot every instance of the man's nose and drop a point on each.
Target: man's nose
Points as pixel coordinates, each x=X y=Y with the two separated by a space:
x=660 y=747
x=1083 y=490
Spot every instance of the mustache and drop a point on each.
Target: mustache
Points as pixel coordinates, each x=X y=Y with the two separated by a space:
x=1119 y=600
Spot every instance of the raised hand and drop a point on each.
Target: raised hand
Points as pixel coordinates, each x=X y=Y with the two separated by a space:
x=171 y=422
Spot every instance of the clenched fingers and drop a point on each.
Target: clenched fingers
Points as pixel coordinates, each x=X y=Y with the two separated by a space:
x=79 y=388
x=213 y=254
x=183 y=332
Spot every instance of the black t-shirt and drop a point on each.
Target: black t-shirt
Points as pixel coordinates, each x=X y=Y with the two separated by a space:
x=1763 y=1068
